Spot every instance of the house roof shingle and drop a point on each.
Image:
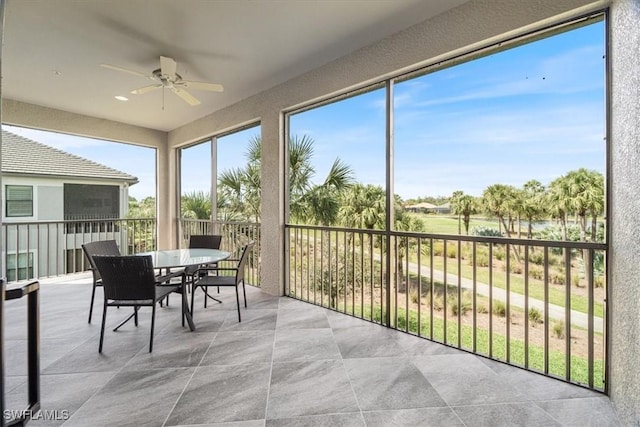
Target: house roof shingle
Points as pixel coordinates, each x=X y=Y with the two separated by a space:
x=28 y=157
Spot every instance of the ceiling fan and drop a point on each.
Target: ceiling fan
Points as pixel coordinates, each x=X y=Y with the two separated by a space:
x=167 y=77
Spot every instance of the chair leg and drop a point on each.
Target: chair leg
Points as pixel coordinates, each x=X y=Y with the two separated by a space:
x=193 y=294
x=153 y=321
x=93 y=297
x=184 y=303
x=244 y=292
x=104 y=321
x=238 y=303
x=135 y=316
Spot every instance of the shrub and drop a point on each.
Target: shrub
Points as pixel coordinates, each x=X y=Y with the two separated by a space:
x=555 y=259
x=482 y=308
x=438 y=249
x=452 y=251
x=558 y=329
x=414 y=297
x=536 y=273
x=575 y=280
x=482 y=260
x=598 y=281
x=558 y=279
x=465 y=305
x=535 y=316
x=516 y=268
x=536 y=257
x=466 y=252
x=438 y=302
x=485 y=232
x=499 y=308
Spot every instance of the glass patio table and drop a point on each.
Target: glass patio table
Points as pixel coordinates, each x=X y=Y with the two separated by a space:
x=181 y=258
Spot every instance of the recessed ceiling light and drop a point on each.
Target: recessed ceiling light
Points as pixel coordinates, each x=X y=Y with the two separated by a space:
x=121 y=98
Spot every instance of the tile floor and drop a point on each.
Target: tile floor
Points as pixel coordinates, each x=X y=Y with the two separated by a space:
x=287 y=363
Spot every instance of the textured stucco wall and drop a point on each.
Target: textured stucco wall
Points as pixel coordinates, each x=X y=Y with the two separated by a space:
x=624 y=268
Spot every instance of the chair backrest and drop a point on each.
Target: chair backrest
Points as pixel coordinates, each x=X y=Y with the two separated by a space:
x=205 y=241
x=127 y=277
x=243 y=261
x=100 y=247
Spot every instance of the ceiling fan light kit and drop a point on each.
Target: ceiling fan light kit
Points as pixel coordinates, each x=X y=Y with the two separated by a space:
x=166 y=77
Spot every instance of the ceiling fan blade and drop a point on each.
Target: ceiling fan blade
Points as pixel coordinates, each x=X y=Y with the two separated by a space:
x=124 y=70
x=213 y=87
x=168 y=67
x=186 y=96
x=146 y=89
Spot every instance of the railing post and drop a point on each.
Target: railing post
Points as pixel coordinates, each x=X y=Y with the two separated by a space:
x=2 y=394
x=32 y=291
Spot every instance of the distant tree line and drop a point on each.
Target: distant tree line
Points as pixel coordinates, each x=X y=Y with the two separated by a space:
x=338 y=200
x=579 y=194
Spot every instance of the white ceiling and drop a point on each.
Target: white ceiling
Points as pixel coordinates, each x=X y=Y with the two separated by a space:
x=52 y=49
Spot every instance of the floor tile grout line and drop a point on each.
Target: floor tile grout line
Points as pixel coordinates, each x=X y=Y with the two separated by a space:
x=535 y=403
x=94 y=394
x=411 y=358
x=273 y=352
x=105 y=384
x=195 y=369
x=353 y=391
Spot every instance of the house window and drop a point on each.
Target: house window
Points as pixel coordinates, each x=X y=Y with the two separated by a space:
x=20 y=266
x=19 y=200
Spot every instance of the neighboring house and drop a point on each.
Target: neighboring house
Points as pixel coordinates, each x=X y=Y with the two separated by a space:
x=443 y=209
x=43 y=186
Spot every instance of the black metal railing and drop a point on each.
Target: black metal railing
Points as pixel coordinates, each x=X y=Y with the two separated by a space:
x=32 y=291
x=234 y=236
x=53 y=248
x=537 y=304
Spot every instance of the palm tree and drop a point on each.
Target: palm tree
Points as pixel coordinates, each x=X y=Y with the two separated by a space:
x=403 y=221
x=586 y=192
x=452 y=202
x=558 y=202
x=580 y=192
x=363 y=206
x=242 y=186
x=532 y=206
x=497 y=201
x=196 y=205
x=464 y=206
x=321 y=203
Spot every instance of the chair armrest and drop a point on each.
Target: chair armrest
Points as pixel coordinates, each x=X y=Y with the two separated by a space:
x=167 y=277
x=217 y=269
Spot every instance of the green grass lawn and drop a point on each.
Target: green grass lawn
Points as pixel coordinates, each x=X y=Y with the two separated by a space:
x=448 y=224
x=557 y=296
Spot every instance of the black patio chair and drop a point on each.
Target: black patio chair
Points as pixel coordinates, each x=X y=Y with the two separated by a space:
x=204 y=281
x=101 y=247
x=201 y=241
x=131 y=281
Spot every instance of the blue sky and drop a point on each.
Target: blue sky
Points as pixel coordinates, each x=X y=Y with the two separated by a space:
x=533 y=112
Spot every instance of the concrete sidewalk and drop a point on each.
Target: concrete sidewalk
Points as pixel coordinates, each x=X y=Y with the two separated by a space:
x=555 y=311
